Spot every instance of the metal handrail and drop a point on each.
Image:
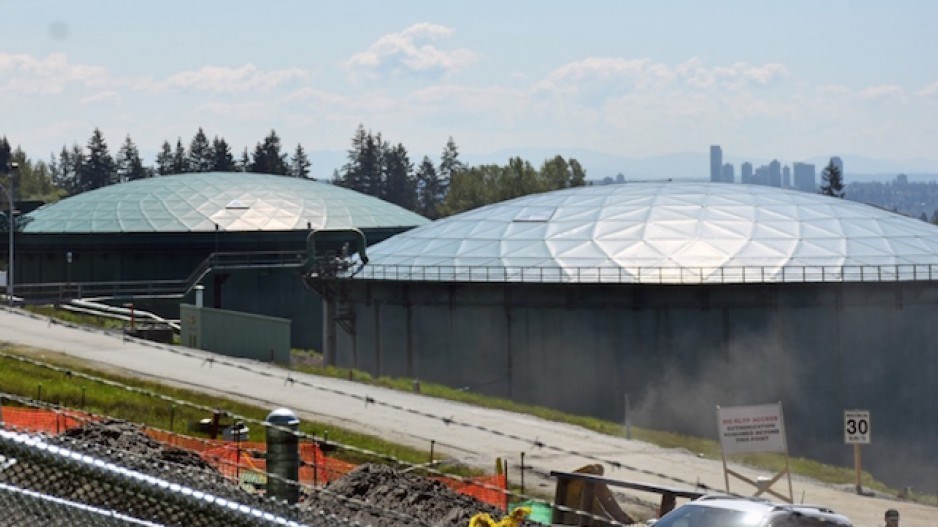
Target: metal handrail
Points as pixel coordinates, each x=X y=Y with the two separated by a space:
x=648 y=275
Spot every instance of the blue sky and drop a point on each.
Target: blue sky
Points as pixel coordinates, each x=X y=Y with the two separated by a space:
x=789 y=80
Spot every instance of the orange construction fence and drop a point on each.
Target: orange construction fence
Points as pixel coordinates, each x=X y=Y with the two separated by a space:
x=42 y=420
x=235 y=458
x=480 y=488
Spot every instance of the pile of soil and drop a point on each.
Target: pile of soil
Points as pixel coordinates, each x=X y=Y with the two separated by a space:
x=397 y=492
x=122 y=438
x=372 y=494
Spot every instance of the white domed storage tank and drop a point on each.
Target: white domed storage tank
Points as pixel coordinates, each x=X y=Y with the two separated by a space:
x=683 y=296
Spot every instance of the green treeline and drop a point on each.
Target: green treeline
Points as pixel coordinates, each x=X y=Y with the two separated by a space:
x=377 y=168
x=374 y=166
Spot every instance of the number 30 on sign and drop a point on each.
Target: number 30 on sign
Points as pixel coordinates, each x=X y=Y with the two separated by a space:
x=856 y=427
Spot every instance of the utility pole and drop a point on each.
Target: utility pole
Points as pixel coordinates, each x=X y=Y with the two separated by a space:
x=14 y=168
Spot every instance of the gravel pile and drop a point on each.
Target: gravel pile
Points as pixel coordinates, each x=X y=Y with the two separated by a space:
x=383 y=487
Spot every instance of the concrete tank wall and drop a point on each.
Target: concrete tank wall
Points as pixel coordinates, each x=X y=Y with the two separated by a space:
x=677 y=351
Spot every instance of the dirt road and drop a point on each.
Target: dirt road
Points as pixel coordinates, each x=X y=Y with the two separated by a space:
x=474 y=435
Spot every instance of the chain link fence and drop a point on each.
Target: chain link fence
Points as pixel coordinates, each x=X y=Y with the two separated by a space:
x=56 y=481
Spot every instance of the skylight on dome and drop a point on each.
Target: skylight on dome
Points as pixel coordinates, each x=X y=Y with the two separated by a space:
x=236 y=204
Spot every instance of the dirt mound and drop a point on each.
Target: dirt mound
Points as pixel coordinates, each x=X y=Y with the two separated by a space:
x=395 y=491
x=123 y=437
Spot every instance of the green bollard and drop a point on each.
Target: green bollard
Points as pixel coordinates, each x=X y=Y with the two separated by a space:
x=283 y=455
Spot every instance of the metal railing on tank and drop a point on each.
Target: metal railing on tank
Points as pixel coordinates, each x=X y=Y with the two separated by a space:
x=648 y=275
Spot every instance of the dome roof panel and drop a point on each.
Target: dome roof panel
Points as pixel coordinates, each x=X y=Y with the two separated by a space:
x=570 y=230
x=616 y=230
x=231 y=200
x=479 y=248
x=680 y=228
x=578 y=249
x=525 y=230
x=775 y=229
x=639 y=251
x=724 y=230
x=703 y=253
x=628 y=213
x=652 y=231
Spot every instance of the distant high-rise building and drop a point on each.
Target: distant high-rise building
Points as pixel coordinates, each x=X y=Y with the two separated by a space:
x=804 y=177
x=745 y=173
x=716 y=163
x=775 y=174
x=728 y=175
x=786 y=176
x=761 y=176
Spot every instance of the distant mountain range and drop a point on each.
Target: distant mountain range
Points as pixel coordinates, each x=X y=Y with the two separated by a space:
x=677 y=166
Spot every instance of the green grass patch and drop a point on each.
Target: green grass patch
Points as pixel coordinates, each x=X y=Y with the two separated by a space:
x=73 y=317
x=73 y=391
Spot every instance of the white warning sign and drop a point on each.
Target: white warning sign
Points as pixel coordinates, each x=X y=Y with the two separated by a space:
x=752 y=429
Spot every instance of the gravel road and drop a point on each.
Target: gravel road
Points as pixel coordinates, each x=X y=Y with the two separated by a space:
x=475 y=436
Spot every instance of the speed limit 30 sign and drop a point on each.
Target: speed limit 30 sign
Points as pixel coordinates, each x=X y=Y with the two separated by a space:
x=857 y=427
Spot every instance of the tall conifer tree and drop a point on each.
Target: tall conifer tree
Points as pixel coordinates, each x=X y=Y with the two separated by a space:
x=832 y=181
x=129 y=164
x=99 y=168
x=200 y=156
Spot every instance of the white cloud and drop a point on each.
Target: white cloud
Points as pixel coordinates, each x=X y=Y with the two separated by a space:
x=596 y=78
x=104 y=98
x=410 y=51
x=468 y=98
x=931 y=89
x=217 y=79
x=735 y=76
x=616 y=73
x=27 y=75
x=882 y=92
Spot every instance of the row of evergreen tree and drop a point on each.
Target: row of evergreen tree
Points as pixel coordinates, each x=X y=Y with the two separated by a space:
x=374 y=166
x=377 y=168
x=76 y=170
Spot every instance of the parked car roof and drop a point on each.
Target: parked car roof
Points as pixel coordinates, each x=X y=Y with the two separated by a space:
x=725 y=511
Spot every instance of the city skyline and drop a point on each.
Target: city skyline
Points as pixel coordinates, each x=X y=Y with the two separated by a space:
x=798 y=175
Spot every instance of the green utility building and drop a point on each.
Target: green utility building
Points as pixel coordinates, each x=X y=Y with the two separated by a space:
x=160 y=234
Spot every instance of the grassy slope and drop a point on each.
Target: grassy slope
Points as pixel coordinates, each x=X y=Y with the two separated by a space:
x=141 y=405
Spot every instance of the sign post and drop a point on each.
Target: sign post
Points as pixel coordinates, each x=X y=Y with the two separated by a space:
x=856 y=433
x=753 y=429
